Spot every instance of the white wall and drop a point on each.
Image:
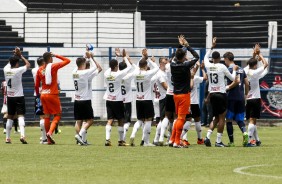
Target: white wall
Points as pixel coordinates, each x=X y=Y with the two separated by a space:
x=12 y=6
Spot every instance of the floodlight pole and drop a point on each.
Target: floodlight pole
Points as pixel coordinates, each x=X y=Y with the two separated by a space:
x=209 y=33
x=272 y=35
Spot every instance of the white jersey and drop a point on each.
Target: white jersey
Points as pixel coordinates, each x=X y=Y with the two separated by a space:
x=194 y=92
x=253 y=77
x=34 y=72
x=91 y=78
x=216 y=73
x=81 y=80
x=113 y=81
x=158 y=79
x=170 y=87
x=126 y=87
x=13 y=77
x=143 y=81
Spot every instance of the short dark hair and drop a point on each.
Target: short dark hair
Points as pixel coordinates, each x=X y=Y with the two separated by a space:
x=216 y=55
x=80 y=61
x=161 y=58
x=47 y=56
x=14 y=60
x=142 y=63
x=113 y=63
x=40 y=61
x=122 y=65
x=252 y=62
x=229 y=55
x=180 y=54
x=87 y=65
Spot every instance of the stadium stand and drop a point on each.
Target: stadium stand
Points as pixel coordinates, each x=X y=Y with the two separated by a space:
x=9 y=39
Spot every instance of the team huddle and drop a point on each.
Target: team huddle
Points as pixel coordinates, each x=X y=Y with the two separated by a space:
x=167 y=93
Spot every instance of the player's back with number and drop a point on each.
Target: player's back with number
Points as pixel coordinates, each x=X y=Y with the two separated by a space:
x=216 y=74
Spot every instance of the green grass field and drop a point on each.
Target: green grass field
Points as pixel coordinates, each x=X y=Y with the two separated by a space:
x=66 y=162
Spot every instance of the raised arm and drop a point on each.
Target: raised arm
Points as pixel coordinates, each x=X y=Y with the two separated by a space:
x=208 y=53
x=18 y=52
x=63 y=63
x=191 y=50
x=202 y=66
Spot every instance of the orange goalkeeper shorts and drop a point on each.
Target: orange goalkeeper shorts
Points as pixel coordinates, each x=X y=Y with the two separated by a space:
x=182 y=103
x=51 y=104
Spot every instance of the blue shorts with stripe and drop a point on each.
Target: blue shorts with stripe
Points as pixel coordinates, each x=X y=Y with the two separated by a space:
x=236 y=110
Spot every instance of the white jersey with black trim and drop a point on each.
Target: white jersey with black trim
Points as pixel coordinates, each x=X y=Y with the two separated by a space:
x=113 y=82
x=143 y=81
x=91 y=78
x=170 y=87
x=253 y=77
x=81 y=80
x=216 y=73
x=126 y=87
x=194 y=92
x=13 y=77
x=158 y=79
x=34 y=72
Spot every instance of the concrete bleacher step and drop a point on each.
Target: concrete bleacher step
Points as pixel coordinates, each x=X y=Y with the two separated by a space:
x=8 y=33
x=5 y=28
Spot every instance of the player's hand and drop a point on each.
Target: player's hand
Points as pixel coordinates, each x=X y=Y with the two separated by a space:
x=235 y=67
x=214 y=42
x=117 y=52
x=153 y=59
x=88 y=54
x=257 y=49
x=17 y=51
x=181 y=39
x=52 y=54
x=202 y=66
x=145 y=53
x=123 y=53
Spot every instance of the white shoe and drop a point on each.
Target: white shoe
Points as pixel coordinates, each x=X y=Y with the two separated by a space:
x=149 y=145
x=4 y=131
x=44 y=142
x=79 y=139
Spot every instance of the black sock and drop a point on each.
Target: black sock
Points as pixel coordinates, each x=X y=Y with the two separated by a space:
x=242 y=126
x=4 y=122
x=229 y=127
x=16 y=124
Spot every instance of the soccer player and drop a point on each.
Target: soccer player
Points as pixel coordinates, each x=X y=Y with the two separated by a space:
x=144 y=103
x=126 y=90
x=236 y=100
x=181 y=76
x=47 y=75
x=15 y=97
x=216 y=73
x=114 y=98
x=253 y=106
x=160 y=87
x=82 y=105
x=194 y=107
x=38 y=109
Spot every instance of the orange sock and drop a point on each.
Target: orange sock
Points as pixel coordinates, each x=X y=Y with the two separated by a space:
x=178 y=130
x=47 y=124
x=54 y=124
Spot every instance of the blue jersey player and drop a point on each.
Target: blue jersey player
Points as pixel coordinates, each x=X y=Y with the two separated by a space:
x=236 y=99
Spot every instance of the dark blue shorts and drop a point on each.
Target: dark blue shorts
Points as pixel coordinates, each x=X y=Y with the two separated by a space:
x=236 y=110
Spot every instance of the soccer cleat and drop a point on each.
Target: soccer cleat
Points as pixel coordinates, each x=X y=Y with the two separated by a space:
x=156 y=143
x=23 y=140
x=207 y=142
x=121 y=143
x=50 y=140
x=258 y=143
x=253 y=141
x=250 y=145
x=142 y=143
x=108 y=143
x=131 y=142
x=170 y=144
x=245 y=138
x=219 y=144
x=44 y=141
x=79 y=139
x=200 y=141
x=184 y=143
x=148 y=145
x=231 y=144
x=8 y=141
x=161 y=143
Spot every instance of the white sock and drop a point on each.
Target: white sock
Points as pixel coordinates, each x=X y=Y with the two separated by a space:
x=21 y=125
x=256 y=133
x=251 y=129
x=108 y=132
x=147 y=131
x=186 y=127
x=82 y=134
x=209 y=134
x=9 y=126
x=218 y=137
x=198 y=129
x=136 y=126
x=43 y=131
x=125 y=129
x=158 y=132
x=164 y=125
x=184 y=136
x=121 y=133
